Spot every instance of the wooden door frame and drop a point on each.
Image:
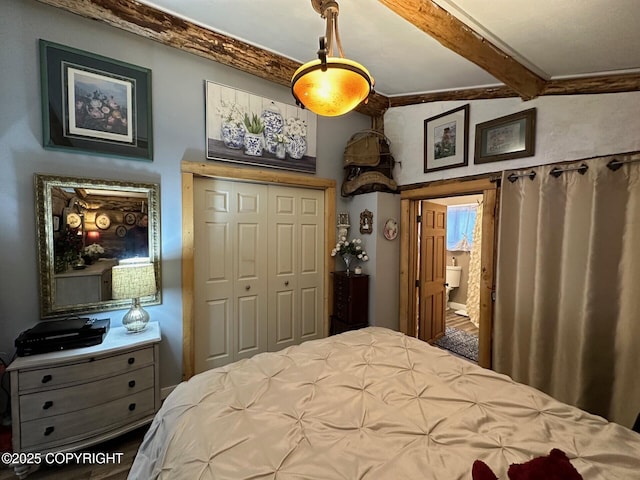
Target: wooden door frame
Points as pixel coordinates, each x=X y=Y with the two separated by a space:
x=409 y=198
x=189 y=170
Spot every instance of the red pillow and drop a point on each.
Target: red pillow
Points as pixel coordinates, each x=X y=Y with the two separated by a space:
x=555 y=466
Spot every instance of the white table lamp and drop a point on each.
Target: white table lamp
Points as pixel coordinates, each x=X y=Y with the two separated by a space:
x=134 y=280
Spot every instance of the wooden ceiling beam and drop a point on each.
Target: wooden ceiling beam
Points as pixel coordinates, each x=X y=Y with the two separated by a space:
x=436 y=22
x=151 y=23
x=451 y=95
x=591 y=85
x=154 y=24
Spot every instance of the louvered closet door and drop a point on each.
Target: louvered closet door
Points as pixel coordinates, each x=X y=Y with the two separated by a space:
x=230 y=262
x=296 y=268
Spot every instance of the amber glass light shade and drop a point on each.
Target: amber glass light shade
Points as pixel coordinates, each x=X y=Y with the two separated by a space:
x=335 y=91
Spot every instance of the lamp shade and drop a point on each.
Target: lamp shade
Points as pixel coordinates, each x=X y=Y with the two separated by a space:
x=333 y=91
x=133 y=280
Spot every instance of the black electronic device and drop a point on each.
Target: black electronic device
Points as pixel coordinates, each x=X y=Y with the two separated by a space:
x=53 y=335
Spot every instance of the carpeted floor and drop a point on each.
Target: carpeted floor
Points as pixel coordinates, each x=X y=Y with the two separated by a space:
x=460 y=343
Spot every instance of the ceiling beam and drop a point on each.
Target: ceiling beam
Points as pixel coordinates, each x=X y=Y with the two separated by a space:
x=597 y=84
x=436 y=22
x=151 y=23
x=451 y=95
x=154 y=24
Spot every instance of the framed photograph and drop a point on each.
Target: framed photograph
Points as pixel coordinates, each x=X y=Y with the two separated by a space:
x=246 y=128
x=445 y=140
x=94 y=104
x=504 y=138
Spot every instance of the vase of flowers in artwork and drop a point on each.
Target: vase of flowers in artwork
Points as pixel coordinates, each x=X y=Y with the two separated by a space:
x=253 y=139
x=281 y=145
x=273 y=126
x=232 y=128
x=296 y=132
x=350 y=251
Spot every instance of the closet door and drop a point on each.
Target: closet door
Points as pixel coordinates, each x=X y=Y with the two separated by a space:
x=296 y=246
x=230 y=242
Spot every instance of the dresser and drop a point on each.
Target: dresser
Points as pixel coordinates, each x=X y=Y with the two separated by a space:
x=350 y=302
x=72 y=399
x=88 y=285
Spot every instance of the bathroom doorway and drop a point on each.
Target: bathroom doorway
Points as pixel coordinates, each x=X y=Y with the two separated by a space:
x=462 y=259
x=419 y=273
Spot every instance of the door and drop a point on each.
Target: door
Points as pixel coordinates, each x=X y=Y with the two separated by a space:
x=230 y=274
x=296 y=267
x=433 y=232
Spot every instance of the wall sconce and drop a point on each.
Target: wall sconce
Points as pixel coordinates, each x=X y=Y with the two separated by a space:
x=343 y=224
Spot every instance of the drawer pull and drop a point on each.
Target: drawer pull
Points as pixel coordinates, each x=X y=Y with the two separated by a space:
x=48 y=431
x=47 y=405
x=131 y=360
x=132 y=407
x=47 y=378
x=132 y=383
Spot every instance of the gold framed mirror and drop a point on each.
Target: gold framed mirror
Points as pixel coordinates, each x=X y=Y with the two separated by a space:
x=84 y=228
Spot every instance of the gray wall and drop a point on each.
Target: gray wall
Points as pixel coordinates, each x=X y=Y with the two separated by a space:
x=179 y=134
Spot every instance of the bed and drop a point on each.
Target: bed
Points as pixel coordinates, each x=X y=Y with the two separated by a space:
x=369 y=404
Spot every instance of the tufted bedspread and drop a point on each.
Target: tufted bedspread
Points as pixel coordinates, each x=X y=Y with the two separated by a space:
x=369 y=404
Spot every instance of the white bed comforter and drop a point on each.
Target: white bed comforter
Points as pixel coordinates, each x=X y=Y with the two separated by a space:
x=369 y=404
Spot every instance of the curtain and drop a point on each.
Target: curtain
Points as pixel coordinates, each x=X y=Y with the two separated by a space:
x=567 y=306
x=473 y=289
x=460 y=223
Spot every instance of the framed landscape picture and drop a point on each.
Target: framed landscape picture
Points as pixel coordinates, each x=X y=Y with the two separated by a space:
x=445 y=140
x=245 y=128
x=505 y=138
x=95 y=104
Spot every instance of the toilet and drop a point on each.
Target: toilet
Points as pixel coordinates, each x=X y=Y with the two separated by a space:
x=452 y=279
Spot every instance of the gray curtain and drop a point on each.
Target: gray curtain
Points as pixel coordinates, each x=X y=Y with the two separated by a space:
x=567 y=312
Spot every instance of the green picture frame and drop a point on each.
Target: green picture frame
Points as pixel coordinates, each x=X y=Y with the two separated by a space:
x=94 y=104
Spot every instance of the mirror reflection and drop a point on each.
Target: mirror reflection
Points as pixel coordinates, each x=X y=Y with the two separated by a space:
x=85 y=227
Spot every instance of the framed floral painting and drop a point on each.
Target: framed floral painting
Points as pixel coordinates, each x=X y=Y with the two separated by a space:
x=95 y=104
x=246 y=128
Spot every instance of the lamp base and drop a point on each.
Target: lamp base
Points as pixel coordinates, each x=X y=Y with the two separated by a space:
x=136 y=319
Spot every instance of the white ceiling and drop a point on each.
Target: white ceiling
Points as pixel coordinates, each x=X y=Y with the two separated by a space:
x=553 y=38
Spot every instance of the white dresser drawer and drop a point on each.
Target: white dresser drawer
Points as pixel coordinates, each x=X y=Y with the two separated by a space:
x=91 y=369
x=64 y=400
x=53 y=431
x=72 y=399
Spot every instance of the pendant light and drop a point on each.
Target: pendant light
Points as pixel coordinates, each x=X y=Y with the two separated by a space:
x=330 y=86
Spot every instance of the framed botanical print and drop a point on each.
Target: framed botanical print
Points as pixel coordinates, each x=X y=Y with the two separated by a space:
x=95 y=104
x=445 y=140
x=505 y=138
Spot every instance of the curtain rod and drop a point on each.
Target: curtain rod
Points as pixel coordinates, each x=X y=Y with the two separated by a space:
x=556 y=172
x=615 y=164
x=514 y=176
